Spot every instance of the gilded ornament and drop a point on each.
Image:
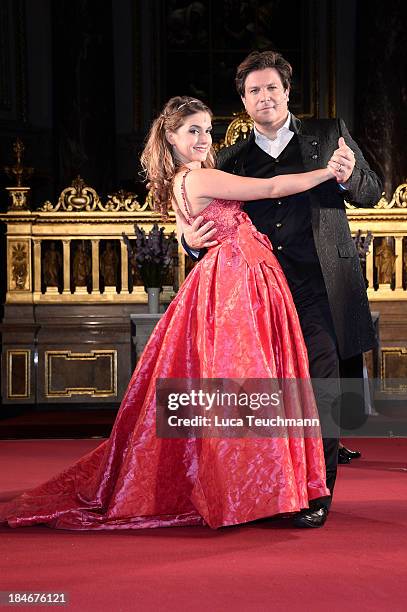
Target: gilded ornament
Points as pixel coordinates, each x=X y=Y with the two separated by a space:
x=121 y=200
x=399 y=199
x=19 y=265
x=239 y=128
x=76 y=198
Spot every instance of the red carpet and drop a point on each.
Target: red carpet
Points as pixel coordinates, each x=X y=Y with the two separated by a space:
x=358 y=561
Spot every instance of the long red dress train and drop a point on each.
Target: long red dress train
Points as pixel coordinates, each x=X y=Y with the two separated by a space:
x=233 y=317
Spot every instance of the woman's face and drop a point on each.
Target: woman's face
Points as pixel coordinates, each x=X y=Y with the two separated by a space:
x=192 y=141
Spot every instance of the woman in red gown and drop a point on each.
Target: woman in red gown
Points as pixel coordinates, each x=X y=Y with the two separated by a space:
x=232 y=318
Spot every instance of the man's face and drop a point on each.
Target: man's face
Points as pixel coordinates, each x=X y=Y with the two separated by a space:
x=265 y=99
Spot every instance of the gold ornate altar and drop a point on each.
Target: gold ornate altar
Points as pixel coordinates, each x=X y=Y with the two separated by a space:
x=71 y=289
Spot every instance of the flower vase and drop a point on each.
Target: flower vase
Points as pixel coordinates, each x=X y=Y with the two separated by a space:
x=153 y=299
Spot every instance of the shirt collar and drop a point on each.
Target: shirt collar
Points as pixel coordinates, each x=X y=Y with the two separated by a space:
x=261 y=137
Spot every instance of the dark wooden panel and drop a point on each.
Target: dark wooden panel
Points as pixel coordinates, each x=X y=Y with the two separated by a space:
x=92 y=373
x=18 y=374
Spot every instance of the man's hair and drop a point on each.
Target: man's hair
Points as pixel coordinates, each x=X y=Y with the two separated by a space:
x=259 y=61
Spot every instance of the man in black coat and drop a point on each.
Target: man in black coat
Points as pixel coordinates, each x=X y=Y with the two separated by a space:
x=309 y=232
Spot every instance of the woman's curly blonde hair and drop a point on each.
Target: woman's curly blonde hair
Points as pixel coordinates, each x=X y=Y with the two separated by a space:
x=157 y=159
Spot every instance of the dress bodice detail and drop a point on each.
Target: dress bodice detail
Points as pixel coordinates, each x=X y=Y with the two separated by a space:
x=226 y=214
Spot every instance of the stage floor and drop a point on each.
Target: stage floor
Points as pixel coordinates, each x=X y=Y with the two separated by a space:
x=358 y=561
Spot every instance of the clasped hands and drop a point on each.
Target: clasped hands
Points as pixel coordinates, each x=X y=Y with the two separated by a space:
x=342 y=162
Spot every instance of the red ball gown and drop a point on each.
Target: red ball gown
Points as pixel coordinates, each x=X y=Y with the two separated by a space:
x=233 y=317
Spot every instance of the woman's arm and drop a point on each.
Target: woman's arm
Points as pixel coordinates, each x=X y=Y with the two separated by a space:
x=208 y=183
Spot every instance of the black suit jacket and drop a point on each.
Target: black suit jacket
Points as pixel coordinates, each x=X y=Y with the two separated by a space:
x=340 y=265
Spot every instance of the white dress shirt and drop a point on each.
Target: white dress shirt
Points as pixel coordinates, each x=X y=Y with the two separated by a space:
x=278 y=144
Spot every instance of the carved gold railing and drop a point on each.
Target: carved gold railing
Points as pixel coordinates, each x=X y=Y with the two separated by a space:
x=386 y=261
x=54 y=254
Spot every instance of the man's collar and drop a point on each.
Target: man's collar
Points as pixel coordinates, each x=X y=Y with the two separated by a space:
x=295 y=125
x=259 y=136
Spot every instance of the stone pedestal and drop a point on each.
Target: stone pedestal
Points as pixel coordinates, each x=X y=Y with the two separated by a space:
x=141 y=327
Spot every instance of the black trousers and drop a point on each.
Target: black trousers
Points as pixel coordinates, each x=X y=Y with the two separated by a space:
x=324 y=363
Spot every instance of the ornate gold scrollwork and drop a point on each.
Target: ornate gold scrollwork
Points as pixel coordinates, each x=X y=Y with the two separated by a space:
x=19 y=198
x=80 y=197
x=399 y=199
x=239 y=127
x=76 y=198
x=121 y=200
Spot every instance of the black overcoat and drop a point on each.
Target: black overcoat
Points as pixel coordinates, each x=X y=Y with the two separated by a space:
x=339 y=261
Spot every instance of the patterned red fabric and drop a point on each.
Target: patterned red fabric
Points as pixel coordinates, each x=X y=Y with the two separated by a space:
x=233 y=317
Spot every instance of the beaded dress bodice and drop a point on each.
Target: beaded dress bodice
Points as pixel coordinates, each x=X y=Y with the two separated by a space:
x=227 y=214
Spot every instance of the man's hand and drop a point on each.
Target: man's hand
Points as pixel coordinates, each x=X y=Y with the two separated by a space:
x=343 y=161
x=199 y=237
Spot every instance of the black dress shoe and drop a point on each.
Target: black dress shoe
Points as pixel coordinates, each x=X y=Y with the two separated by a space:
x=350 y=453
x=343 y=457
x=311 y=518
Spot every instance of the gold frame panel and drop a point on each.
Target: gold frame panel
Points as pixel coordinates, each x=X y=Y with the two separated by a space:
x=91 y=356
x=10 y=354
x=402 y=352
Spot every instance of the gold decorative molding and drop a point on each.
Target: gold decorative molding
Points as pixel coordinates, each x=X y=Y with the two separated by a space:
x=239 y=128
x=14 y=355
x=399 y=199
x=80 y=198
x=70 y=362
x=75 y=198
x=122 y=200
x=19 y=198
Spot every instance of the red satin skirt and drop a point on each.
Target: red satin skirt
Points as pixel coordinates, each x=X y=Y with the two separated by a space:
x=233 y=317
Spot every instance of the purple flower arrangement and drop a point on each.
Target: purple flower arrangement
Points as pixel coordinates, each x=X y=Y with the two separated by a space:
x=152 y=254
